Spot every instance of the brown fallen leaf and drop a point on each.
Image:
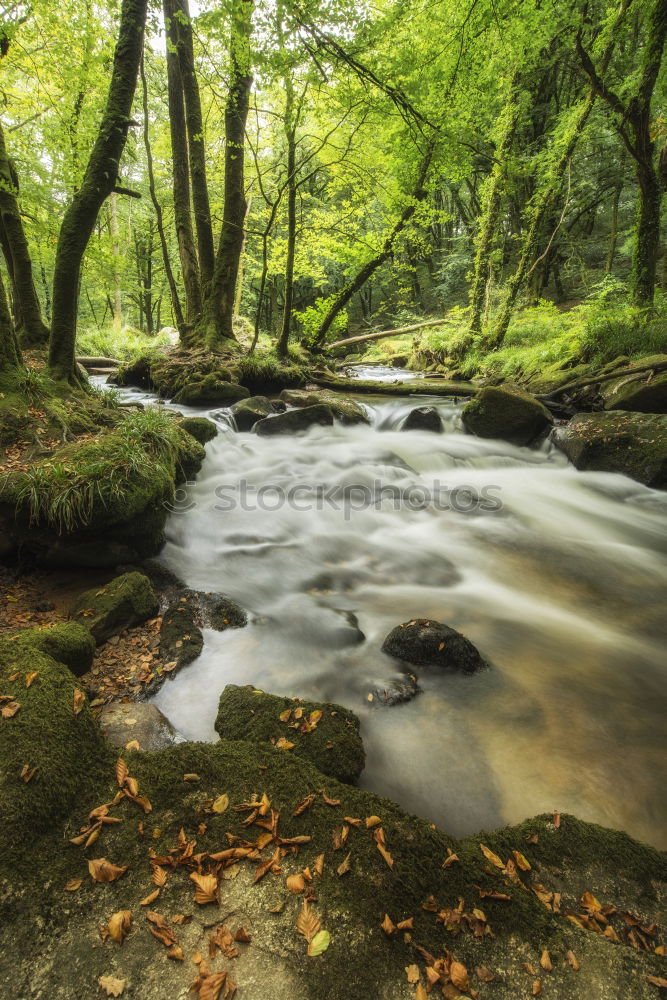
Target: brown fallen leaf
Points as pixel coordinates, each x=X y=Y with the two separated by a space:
x=490 y=856
x=522 y=862
x=545 y=961
x=385 y=854
x=119 y=925
x=296 y=883
x=450 y=859
x=221 y=804
x=211 y=985
x=412 y=973
x=102 y=870
x=572 y=959
x=557 y=820
x=305 y=804
x=307 y=923
x=28 y=773
x=344 y=867
x=484 y=974
x=590 y=903
x=459 y=975
x=657 y=981
x=121 y=772
x=283 y=744
x=318 y=865
x=327 y=800
x=388 y=925
x=32 y=676
x=73 y=884
x=78 y=700
x=112 y=987
x=159 y=877
x=194 y=778
x=150 y=898
x=181 y=918
x=537 y=987
x=207 y=888
x=372 y=821
x=420 y=992
x=176 y=953
x=242 y=935
x=10 y=709
x=529 y=968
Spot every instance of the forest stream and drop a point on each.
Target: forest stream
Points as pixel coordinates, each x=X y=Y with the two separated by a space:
x=562 y=588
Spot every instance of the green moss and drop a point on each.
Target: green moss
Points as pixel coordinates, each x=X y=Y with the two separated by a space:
x=180 y=636
x=126 y=601
x=47 y=734
x=334 y=746
x=210 y=390
x=633 y=444
x=506 y=412
x=201 y=429
x=266 y=374
x=67 y=642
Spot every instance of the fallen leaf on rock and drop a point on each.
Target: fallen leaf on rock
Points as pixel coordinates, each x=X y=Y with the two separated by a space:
x=210 y=986
x=537 y=987
x=10 y=709
x=119 y=925
x=307 y=923
x=283 y=744
x=657 y=981
x=388 y=925
x=385 y=854
x=327 y=800
x=78 y=700
x=266 y=866
x=221 y=804
x=484 y=974
x=133 y=745
x=420 y=993
x=111 y=986
x=150 y=898
x=545 y=961
x=533 y=838
x=296 y=883
x=73 y=884
x=490 y=856
x=406 y=925
x=29 y=678
x=590 y=903
x=459 y=975
x=285 y=716
x=450 y=859
x=175 y=953
x=28 y=773
x=318 y=864
x=372 y=821
x=159 y=877
x=207 y=888
x=522 y=861
x=319 y=944
x=305 y=804
x=192 y=777
x=242 y=935
x=557 y=820
x=529 y=968
x=412 y=973
x=102 y=870
x=344 y=866
x=572 y=959
x=181 y=918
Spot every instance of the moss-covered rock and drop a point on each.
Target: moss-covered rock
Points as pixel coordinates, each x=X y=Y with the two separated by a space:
x=201 y=429
x=136 y=373
x=210 y=391
x=634 y=444
x=50 y=732
x=267 y=374
x=642 y=395
x=508 y=413
x=432 y=644
x=345 y=410
x=333 y=744
x=181 y=639
x=248 y=411
x=70 y=643
x=295 y=421
x=126 y=601
x=221 y=612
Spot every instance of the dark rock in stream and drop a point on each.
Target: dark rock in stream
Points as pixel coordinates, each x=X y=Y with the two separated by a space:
x=325 y=734
x=397 y=692
x=294 y=421
x=506 y=412
x=634 y=444
x=423 y=418
x=126 y=601
x=248 y=411
x=181 y=640
x=432 y=644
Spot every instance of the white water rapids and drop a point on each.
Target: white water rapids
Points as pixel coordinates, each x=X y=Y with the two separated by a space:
x=562 y=590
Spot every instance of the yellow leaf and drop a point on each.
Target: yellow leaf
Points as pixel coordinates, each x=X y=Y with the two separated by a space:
x=319 y=944
x=73 y=884
x=29 y=678
x=522 y=862
x=78 y=700
x=111 y=986
x=283 y=744
x=490 y=856
x=372 y=821
x=119 y=925
x=545 y=961
x=221 y=804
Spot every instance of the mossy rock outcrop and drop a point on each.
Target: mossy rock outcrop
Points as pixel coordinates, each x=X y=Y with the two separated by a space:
x=333 y=744
x=264 y=375
x=70 y=643
x=633 y=444
x=210 y=391
x=508 y=413
x=432 y=644
x=181 y=639
x=126 y=601
x=295 y=421
x=641 y=395
x=344 y=410
x=248 y=411
x=201 y=429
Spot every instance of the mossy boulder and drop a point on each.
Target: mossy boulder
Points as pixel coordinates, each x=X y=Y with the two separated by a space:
x=641 y=396
x=295 y=421
x=423 y=418
x=126 y=601
x=333 y=744
x=221 y=612
x=51 y=732
x=181 y=639
x=508 y=413
x=70 y=643
x=633 y=444
x=265 y=375
x=210 y=391
x=248 y=411
x=345 y=410
x=136 y=373
x=432 y=644
x=201 y=429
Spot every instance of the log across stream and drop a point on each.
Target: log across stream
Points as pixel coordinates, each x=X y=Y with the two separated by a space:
x=562 y=588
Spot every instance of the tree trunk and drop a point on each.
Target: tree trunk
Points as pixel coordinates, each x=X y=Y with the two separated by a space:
x=171 y=281
x=220 y=305
x=613 y=236
x=117 y=289
x=646 y=246
x=181 y=170
x=19 y=265
x=98 y=182
x=197 y=151
x=10 y=356
x=362 y=276
x=290 y=136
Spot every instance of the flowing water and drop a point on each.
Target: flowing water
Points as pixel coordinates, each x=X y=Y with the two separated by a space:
x=562 y=588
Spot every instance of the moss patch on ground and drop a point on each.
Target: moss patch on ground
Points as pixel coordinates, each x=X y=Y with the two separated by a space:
x=67 y=642
x=327 y=735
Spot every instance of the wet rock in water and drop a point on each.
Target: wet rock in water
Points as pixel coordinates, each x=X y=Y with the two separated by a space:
x=122 y=723
x=325 y=734
x=432 y=644
x=248 y=411
x=126 y=601
x=201 y=429
x=423 y=418
x=137 y=373
x=345 y=410
x=633 y=444
x=181 y=640
x=221 y=612
x=642 y=395
x=397 y=692
x=293 y=421
x=506 y=412
x=210 y=391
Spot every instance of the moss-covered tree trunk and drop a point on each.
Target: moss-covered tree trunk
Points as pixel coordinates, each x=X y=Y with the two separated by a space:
x=290 y=138
x=187 y=250
x=196 y=149
x=10 y=355
x=359 y=280
x=28 y=312
x=218 y=328
x=98 y=182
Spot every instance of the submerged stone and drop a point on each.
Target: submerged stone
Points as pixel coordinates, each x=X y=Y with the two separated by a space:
x=126 y=601
x=432 y=644
x=506 y=412
x=332 y=743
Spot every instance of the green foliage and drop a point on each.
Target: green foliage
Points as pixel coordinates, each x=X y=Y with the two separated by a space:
x=126 y=344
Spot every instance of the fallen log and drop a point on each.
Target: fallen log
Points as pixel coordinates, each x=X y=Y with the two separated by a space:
x=581 y=383
x=97 y=362
x=384 y=333
x=418 y=387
